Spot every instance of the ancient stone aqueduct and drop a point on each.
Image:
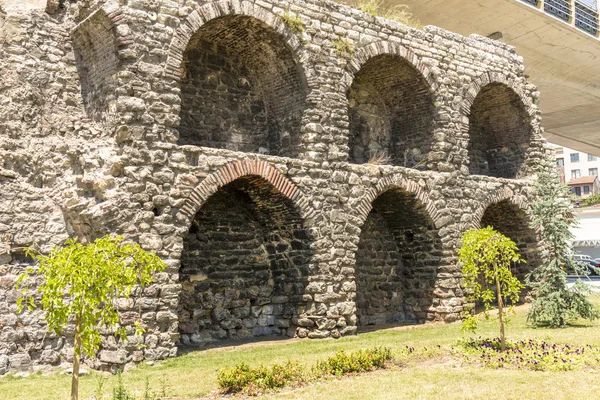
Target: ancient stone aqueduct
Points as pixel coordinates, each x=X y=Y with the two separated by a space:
x=296 y=181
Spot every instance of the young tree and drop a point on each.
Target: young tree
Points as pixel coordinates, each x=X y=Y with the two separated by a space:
x=487 y=256
x=554 y=303
x=80 y=284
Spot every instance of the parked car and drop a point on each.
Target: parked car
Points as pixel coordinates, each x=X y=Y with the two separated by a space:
x=597 y=260
x=582 y=257
x=584 y=261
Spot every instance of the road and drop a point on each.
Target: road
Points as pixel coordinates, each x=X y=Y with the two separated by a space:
x=593 y=281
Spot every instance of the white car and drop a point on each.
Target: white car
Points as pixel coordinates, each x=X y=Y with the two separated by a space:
x=583 y=257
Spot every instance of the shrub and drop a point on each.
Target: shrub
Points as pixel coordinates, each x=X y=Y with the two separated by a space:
x=344 y=48
x=358 y=361
x=292 y=22
x=593 y=199
x=396 y=12
x=254 y=380
x=379 y=158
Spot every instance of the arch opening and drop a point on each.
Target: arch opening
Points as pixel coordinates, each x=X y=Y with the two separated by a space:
x=511 y=221
x=97 y=63
x=244 y=265
x=499 y=132
x=241 y=89
x=398 y=255
x=391 y=111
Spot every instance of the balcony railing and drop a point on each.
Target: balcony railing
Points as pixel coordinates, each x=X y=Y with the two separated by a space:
x=582 y=14
x=559 y=8
x=586 y=19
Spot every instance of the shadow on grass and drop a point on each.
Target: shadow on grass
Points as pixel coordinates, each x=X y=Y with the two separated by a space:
x=379 y=327
x=264 y=340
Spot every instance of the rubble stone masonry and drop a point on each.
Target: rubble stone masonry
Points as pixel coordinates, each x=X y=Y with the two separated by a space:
x=300 y=182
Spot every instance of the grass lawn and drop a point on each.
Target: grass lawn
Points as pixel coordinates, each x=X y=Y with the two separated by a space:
x=193 y=375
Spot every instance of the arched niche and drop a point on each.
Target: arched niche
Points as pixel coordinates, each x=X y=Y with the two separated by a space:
x=96 y=56
x=499 y=132
x=241 y=88
x=513 y=222
x=244 y=265
x=391 y=112
x=397 y=261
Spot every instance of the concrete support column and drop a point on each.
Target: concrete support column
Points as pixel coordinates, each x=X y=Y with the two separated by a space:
x=572 y=12
x=540 y=5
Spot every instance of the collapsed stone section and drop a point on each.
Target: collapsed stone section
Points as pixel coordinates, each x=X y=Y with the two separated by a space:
x=242 y=89
x=244 y=266
x=499 y=132
x=97 y=62
x=391 y=113
x=396 y=262
x=513 y=222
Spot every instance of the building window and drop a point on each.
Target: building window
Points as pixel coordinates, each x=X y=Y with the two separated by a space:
x=574 y=157
x=577 y=191
x=586 y=189
x=560 y=162
x=593 y=172
x=592 y=158
x=575 y=173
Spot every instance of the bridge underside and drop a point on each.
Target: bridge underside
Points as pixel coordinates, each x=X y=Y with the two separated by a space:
x=560 y=59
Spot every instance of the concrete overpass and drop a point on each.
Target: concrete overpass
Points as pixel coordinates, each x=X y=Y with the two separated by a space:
x=559 y=40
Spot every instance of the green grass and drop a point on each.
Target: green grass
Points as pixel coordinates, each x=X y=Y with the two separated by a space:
x=194 y=374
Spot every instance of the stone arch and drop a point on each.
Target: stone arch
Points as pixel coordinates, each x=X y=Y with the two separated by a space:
x=500 y=126
x=390 y=106
x=96 y=44
x=410 y=186
x=246 y=257
x=243 y=86
x=503 y=195
x=399 y=252
x=509 y=215
x=238 y=169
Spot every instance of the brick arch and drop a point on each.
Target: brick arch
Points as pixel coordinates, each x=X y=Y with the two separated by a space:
x=207 y=12
x=383 y=47
x=502 y=195
x=399 y=182
x=474 y=88
x=239 y=169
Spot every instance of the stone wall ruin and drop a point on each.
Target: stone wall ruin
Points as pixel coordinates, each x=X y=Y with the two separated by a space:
x=291 y=190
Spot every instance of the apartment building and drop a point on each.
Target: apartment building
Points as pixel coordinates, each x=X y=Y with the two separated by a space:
x=578 y=170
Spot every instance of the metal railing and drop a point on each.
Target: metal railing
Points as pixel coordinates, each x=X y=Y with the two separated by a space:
x=586 y=19
x=581 y=14
x=559 y=8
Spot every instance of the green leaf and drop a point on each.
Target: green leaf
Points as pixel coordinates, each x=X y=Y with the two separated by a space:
x=84 y=281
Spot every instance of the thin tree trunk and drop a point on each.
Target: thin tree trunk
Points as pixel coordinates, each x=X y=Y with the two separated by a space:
x=76 y=358
x=499 y=296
